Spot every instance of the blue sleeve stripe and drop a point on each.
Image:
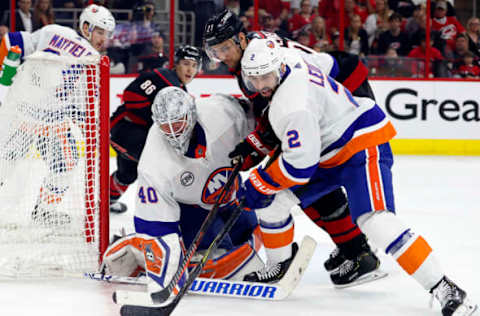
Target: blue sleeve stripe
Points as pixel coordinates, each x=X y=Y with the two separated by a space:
x=371 y=117
x=16 y=38
x=266 y=177
x=299 y=173
x=335 y=69
x=154 y=228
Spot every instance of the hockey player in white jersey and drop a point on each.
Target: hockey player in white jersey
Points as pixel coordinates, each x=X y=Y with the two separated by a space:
x=55 y=141
x=330 y=139
x=182 y=170
x=225 y=40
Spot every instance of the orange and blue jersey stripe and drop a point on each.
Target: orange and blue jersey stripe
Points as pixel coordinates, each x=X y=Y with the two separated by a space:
x=369 y=129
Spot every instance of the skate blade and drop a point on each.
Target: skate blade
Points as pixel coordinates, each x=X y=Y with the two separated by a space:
x=369 y=277
x=468 y=308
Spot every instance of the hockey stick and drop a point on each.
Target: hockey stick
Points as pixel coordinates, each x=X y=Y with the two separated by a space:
x=238 y=289
x=164 y=294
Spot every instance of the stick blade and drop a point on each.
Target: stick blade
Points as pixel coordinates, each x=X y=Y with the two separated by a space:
x=160 y=296
x=133 y=310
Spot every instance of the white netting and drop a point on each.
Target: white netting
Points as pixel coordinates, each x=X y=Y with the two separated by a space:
x=49 y=168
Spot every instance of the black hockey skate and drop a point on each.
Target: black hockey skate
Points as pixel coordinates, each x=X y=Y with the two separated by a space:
x=452 y=299
x=49 y=218
x=335 y=259
x=273 y=273
x=118 y=207
x=361 y=269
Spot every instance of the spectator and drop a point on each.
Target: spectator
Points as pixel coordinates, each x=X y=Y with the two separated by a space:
x=377 y=22
x=403 y=7
x=42 y=14
x=267 y=23
x=274 y=7
x=233 y=5
x=448 y=26
x=156 y=57
x=469 y=69
x=328 y=9
x=66 y=4
x=461 y=49
x=296 y=5
x=416 y=22
x=3 y=30
x=303 y=18
x=394 y=37
x=437 y=61
x=203 y=9
x=356 y=37
x=142 y=29
x=322 y=46
x=23 y=17
x=246 y=22
x=352 y=8
x=473 y=33
x=303 y=37
x=318 y=32
x=420 y=50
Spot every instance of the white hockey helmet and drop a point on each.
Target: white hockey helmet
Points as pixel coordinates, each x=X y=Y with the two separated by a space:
x=97 y=16
x=174 y=111
x=261 y=58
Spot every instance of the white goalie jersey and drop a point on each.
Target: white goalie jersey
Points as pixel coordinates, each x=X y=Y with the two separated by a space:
x=166 y=178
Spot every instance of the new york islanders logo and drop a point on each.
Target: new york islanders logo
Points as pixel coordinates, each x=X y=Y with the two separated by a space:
x=214 y=185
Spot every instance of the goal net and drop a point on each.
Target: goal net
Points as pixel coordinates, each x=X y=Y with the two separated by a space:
x=53 y=150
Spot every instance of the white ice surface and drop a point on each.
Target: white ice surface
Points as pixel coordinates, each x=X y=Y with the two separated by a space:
x=438 y=196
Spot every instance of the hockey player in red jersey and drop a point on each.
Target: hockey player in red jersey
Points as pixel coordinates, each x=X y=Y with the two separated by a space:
x=224 y=40
x=132 y=120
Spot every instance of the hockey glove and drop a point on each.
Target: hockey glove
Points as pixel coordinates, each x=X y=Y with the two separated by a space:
x=257 y=191
x=257 y=145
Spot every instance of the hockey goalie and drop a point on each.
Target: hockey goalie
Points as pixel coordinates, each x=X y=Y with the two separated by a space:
x=181 y=173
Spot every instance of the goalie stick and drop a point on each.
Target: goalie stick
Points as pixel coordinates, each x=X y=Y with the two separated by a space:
x=140 y=303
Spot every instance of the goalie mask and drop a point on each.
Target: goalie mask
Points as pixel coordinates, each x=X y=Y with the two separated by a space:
x=262 y=66
x=174 y=112
x=97 y=16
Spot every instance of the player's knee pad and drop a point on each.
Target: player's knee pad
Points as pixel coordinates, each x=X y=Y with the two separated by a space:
x=384 y=229
x=332 y=206
x=279 y=209
x=235 y=263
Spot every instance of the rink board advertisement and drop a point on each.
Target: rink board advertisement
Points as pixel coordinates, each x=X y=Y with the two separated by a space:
x=431 y=117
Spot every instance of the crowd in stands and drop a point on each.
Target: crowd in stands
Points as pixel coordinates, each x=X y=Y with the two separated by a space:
x=389 y=35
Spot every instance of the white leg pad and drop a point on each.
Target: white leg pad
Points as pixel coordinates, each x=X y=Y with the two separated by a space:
x=381 y=227
x=384 y=228
x=280 y=208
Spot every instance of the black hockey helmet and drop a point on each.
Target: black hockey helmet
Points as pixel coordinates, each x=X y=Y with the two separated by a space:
x=188 y=52
x=222 y=27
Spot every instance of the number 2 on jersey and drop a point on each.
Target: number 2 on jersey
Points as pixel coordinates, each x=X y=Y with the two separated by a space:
x=293 y=139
